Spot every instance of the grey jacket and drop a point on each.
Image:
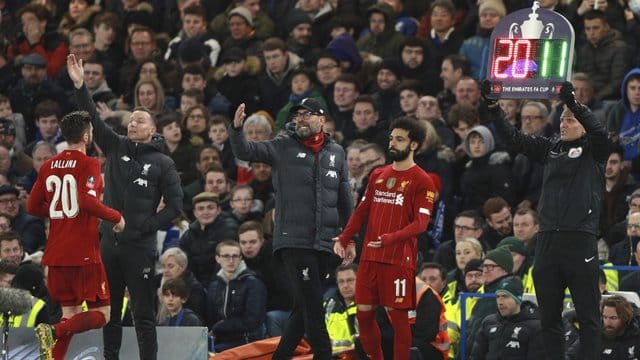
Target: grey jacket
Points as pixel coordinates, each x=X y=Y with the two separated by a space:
x=313 y=195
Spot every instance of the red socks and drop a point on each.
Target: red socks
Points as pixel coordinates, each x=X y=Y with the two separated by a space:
x=370 y=334
x=401 y=333
x=78 y=323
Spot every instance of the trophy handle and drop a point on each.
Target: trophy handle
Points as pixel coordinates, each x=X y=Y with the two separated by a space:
x=548 y=30
x=515 y=30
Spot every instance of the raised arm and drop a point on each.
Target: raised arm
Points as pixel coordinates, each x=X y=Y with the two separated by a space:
x=105 y=137
x=535 y=147
x=260 y=151
x=596 y=130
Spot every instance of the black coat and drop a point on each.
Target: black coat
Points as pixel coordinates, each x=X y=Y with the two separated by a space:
x=573 y=179
x=313 y=194
x=484 y=178
x=137 y=175
x=200 y=245
x=514 y=337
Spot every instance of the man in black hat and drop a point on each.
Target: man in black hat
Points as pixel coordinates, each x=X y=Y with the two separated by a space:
x=312 y=187
x=33 y=88
x=514 y=332
x=30 y=228
x=298 y=27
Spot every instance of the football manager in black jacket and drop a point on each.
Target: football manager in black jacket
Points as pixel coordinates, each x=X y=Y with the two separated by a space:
x=137 y=176
x=569 y=210
x=313 y=203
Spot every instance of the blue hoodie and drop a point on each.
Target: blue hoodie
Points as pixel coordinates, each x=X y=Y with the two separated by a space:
x=630 y=125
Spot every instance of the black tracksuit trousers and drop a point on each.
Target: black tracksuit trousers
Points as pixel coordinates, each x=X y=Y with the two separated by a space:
x=306 y=270
x=132 y=266
x=568 y=259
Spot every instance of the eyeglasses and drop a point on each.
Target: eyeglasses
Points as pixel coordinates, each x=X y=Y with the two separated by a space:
x=464 y=228
x=228 y=257
x=7 y=201
x=490 y=267
x=304 y=115
x=633 y=226
x=242 y=200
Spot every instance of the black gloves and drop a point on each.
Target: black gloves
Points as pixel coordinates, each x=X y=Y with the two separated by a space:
x=485 y=91
x=568 y=95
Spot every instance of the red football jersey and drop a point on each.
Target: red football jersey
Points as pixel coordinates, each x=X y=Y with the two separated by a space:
x=68 y=191
x=397 y=207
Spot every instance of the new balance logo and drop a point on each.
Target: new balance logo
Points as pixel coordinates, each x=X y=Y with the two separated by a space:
x=513 y=344
x=140 y=182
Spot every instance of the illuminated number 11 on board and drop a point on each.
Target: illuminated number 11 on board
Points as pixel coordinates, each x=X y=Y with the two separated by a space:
x=517 y=58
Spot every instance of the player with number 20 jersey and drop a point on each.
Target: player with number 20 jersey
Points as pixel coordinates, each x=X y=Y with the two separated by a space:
x=68 y=192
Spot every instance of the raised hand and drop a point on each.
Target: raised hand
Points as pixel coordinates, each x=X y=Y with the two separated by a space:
x=485 y=91
x=75 y=70
x=567 y=94
x=238 y=118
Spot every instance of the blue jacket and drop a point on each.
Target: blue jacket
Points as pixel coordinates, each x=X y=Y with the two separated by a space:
x=236 y=308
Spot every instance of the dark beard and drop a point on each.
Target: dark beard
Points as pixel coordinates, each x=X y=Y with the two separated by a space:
x=399 y=155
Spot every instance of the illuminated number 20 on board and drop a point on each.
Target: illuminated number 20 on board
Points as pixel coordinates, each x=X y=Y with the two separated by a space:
x=530 y=59
x=530 y=54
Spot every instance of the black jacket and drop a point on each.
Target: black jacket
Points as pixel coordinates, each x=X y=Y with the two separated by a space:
x=514 y=337
x=625 y=346
x=137 y=175
x=200 y=245
x=313 y=195
x=236 y=308
x=573 y=179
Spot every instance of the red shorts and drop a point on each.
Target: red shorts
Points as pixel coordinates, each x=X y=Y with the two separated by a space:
x=71 y=285
x=386 y=284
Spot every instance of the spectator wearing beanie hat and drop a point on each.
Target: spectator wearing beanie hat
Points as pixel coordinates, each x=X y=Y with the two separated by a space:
x=30 y=277
x=521 y=261
x=260 y=20
x=476 y=48
x=298 y=28
x=344 y=48
x=496 y=268
x=514 y=332
x=242 y=32
x=382 y=40
x=387 y=81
